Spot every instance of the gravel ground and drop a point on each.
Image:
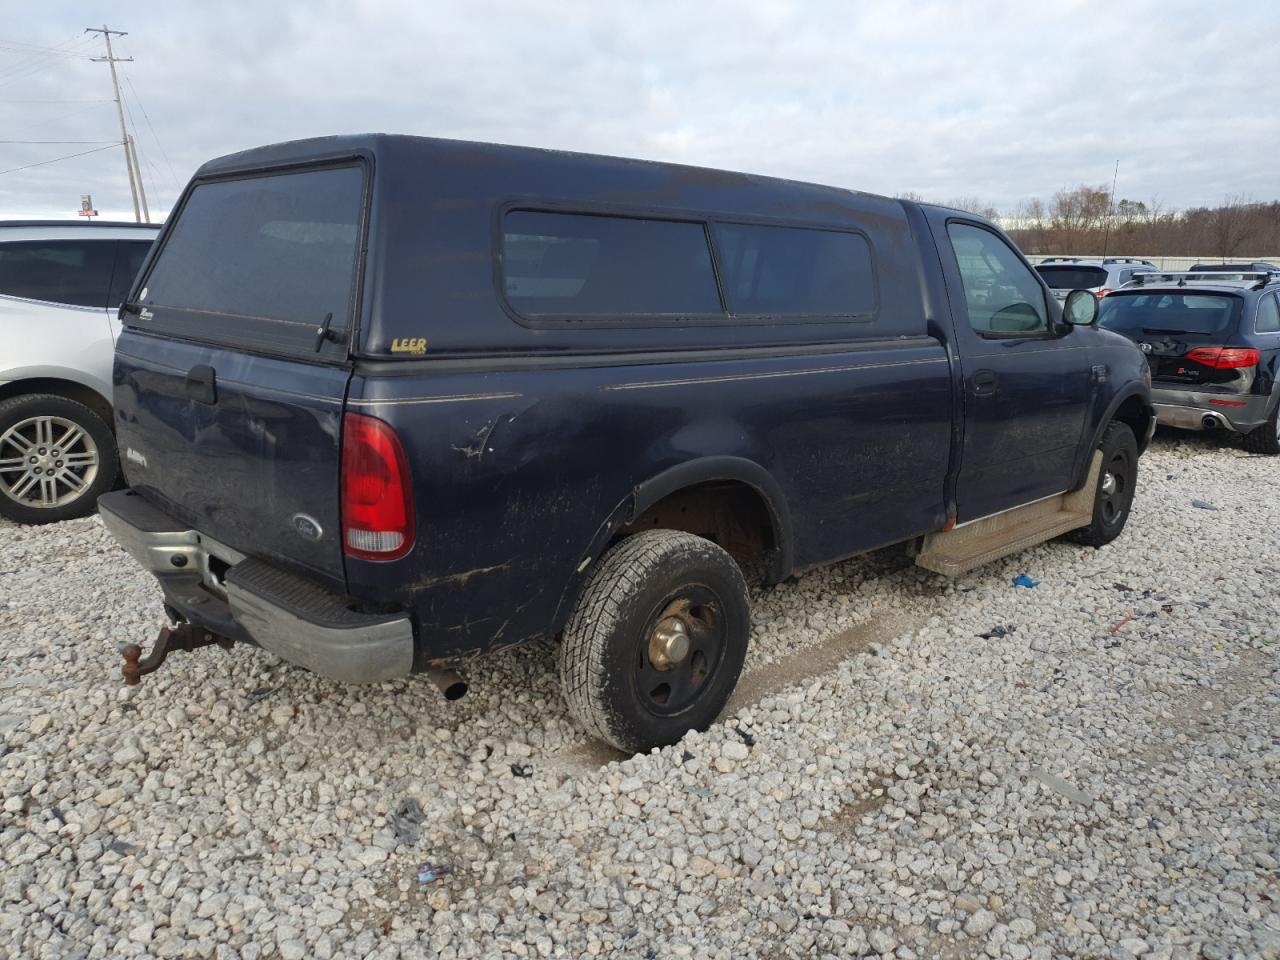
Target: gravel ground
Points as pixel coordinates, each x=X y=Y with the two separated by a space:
x=1095 y=778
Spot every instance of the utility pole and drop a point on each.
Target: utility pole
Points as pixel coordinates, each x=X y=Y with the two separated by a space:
x=135 y=180
x=142 y=194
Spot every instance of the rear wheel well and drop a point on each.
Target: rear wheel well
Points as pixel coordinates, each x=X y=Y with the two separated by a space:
x=1135 y=415
x=78 y=392
x=727 y=512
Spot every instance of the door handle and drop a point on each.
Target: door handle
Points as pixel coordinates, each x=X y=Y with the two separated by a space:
x=201 y=384
x=985 y=383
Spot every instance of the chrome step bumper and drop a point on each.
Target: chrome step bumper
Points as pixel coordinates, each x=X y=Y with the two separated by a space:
x=295 y=618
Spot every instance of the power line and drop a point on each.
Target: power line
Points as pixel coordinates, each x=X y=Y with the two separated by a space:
x=64 y=55
x=112 y=142
x=173 y=177
x=35 y=47
x=34 y=64
x=69 y=156
x=106 y=100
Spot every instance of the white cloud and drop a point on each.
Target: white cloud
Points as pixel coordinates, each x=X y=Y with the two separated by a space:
x=1002 y=101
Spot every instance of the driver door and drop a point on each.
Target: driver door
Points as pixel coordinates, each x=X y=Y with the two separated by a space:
x=1027 y=384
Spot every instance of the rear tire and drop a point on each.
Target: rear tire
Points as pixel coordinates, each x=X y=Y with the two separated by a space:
x=69 y=445
x=1266 y=438
x=1113 y=495
x=656 y=642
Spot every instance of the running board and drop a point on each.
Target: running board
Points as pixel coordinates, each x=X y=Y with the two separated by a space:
x=965 y=548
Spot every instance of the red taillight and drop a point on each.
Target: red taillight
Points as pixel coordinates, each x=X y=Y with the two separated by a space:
x=377 y=497
x=1224 y=358
x=1102 y=293
x=1229 y=403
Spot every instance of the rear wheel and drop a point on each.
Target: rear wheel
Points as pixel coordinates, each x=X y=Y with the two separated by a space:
x=56 y=457
x=656 y=642
x=1113 y=495
x=1266 y=438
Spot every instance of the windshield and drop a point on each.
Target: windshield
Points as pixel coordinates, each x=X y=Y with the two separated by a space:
x=1073 y=278
x=1197 y=314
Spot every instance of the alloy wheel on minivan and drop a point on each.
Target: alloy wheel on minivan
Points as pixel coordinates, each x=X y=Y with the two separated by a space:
x=56 y=457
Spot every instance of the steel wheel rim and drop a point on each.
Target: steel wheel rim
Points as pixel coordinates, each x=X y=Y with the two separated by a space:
x=1111 y=489
x=47 y=462
x=668 y=687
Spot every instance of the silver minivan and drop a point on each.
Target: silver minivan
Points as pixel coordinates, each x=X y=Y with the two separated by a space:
x=61 y=285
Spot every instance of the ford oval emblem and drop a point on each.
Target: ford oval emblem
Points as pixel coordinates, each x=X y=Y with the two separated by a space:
x=308 y=527
x=1146 y=347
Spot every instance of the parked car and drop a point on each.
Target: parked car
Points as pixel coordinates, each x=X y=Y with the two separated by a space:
x=389 y=402
x=1064 y=274
x=60 y=285
x=1252 y=267
x=1213 y=343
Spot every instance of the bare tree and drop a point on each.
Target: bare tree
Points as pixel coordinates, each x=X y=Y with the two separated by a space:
x=968 y=204
x=1079 y=212
x=974 y=205
x=1230 y=225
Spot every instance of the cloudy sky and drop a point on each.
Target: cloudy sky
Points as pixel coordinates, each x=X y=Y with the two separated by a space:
x=999 y=101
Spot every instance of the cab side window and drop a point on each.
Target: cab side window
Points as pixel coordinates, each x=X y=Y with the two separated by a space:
x=1268 y=315
x=1003 y=295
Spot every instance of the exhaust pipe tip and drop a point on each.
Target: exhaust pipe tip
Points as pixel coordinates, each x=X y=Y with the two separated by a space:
x=1211 y=421
x=452 y=686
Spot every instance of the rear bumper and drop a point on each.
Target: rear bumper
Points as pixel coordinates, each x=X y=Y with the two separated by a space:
x=1196 y=410
x=253 y=601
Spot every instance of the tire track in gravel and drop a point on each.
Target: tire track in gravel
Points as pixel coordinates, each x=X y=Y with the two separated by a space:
x=765 y=681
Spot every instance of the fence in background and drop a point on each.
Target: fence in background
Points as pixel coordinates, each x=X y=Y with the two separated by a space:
x=1165 y=263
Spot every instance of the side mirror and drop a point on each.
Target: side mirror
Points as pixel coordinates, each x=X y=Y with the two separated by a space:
x=1080 y=309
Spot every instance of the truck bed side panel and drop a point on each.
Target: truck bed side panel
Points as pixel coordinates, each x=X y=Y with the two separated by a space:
x=515 y=469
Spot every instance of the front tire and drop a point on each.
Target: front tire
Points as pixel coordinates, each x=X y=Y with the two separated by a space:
x=1113 y=495
x=56 y=457
x=1266 y=438
x=656 y=642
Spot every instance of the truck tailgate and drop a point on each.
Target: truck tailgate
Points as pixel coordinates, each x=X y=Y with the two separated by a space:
x=244 y=448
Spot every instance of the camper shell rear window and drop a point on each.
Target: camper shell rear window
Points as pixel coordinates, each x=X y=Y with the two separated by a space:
x=262 y=261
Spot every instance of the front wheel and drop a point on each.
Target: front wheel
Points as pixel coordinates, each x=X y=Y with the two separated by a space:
x=56 y=457
x=1113 y=495
x=656 y=642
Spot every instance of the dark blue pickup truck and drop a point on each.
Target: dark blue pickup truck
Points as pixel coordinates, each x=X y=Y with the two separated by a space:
x=385 y=403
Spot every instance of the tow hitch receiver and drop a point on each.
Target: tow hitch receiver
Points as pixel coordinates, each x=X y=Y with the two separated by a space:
x=184 y=636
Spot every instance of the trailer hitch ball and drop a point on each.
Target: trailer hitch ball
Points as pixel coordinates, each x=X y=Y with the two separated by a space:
x=184 y=636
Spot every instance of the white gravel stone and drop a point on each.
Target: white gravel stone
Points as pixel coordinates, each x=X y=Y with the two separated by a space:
x=1096 y=780
x=882 y=941
x=980 y=924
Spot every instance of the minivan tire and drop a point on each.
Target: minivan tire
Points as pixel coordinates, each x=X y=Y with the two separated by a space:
x=20 y=419
x=1112 y=498
x=1266 y=438
x=656 y=641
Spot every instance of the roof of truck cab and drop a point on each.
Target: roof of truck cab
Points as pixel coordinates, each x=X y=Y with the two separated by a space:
x=374 y=144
